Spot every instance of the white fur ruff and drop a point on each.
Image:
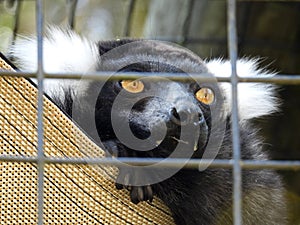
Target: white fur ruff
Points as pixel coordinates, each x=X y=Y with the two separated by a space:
x=63 y=52
x=67 y=52
x=254 y=99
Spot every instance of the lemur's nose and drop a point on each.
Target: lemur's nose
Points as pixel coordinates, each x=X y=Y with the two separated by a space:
x=185 y=116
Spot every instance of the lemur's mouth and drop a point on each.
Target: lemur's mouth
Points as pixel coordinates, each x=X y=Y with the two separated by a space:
x=174 y=139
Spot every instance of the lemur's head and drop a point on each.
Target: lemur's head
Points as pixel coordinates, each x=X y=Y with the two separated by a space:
x=154 y=115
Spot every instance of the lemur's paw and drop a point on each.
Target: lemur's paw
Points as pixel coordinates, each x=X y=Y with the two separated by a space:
x=141 y=193
x=123 y=179
x=126 y=179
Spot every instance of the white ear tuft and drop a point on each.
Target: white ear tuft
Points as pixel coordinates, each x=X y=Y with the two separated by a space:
x=254 y=99
x=64 y=51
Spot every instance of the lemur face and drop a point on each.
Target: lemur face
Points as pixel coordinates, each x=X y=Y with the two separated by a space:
x=156 y=112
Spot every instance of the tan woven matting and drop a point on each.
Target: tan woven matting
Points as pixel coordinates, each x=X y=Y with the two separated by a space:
x=73 y=194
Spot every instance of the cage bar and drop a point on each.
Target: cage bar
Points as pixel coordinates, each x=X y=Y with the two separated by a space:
x=40 y=127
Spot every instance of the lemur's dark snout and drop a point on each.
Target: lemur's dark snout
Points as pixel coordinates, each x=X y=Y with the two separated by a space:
x=185 y=116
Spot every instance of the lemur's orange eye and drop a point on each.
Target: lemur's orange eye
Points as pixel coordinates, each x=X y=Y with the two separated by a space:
x=205 y=95
x=133 y=86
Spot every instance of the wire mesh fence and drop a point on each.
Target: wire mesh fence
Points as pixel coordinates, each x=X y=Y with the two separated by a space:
x=236 y=163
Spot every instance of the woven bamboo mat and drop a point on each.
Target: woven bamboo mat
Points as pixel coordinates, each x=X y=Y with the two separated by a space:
x=73 y=194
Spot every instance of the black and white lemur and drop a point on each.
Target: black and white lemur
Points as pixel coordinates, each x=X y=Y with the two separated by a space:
x=148 y=106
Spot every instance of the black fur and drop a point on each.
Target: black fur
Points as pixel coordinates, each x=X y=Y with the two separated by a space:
x=195 y=198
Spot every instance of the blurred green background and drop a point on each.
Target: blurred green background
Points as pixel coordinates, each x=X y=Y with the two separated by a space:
x=269 y=30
